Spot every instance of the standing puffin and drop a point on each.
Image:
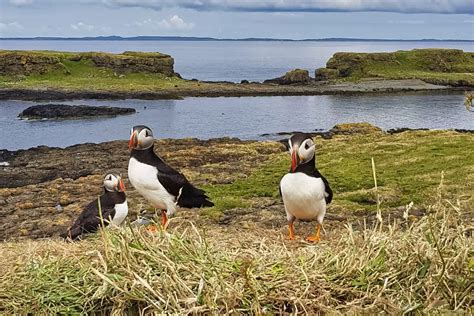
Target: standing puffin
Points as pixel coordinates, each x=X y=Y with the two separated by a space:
x=113 y=205
x=161 y=185
x=305 y=192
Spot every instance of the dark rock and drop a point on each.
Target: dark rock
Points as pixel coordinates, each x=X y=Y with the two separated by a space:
x=291 y=77
x=62 y=111
x=244 y=82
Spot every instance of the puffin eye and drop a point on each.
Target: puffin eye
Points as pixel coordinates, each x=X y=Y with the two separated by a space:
x=306 y=146
x=147 y=133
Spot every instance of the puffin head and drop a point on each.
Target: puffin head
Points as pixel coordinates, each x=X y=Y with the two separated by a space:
x=302 y=149
x=113 y=183
x=141 y=138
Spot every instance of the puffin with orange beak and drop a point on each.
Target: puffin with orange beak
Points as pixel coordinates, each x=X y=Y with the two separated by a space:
x=304 y=190
x=112 y=203
x=164 y=187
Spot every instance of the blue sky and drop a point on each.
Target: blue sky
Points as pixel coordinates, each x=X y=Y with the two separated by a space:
x=402 y=19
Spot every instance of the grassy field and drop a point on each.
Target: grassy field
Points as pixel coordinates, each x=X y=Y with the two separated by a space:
x=234 y=258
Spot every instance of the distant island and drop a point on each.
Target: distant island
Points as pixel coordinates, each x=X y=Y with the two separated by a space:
x=250 y=39
x=50 y=75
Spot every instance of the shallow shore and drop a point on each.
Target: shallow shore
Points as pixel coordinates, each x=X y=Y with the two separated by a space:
x=226 y=89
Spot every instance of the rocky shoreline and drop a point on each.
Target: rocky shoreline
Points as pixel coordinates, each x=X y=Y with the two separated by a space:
x=226 y=89
x=43 y=188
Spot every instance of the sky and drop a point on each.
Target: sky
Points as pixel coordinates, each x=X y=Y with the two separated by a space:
x=295 y=19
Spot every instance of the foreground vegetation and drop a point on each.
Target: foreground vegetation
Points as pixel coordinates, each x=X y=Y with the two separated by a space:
x=379 y=252
x=404 y=266
x=439 y=66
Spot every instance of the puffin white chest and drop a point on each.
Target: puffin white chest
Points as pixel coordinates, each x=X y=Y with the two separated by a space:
x=303 y=196
x=121 y=212
x=144 y=179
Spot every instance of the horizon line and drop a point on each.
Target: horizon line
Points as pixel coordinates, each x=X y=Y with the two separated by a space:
x=203 y=38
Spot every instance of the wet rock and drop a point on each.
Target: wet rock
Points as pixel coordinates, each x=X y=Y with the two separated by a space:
x=63 y=111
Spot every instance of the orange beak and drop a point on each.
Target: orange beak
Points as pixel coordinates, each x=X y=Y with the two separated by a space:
x=132 y=143
x=294 y=160
x=121 y=186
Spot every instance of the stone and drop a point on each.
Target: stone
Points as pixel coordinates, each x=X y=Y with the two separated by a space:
x=63 y=111
x=292 y=77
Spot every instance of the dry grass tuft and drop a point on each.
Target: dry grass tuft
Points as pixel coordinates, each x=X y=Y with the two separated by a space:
x=424 y=265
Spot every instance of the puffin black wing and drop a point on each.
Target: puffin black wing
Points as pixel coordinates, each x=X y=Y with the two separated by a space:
x=89 y=220
x=176 y=184
x=327 y=188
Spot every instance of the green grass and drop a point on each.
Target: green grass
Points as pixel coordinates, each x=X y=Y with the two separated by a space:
x=439 y=66
x=83 y=75
x=409 y=166
x=79 y=75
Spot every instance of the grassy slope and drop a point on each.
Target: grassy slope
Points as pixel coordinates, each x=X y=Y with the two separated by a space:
x=432 y=65
x=423 y=265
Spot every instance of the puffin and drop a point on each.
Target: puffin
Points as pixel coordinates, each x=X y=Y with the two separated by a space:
x=113 y=205
x=164 y=187
x=304 y=190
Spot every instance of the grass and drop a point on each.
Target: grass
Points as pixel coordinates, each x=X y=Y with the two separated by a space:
x=439 y=66
x=408 y=168
x=82 y=74
x=403 y=263
x=85 y=76
x=403 y=266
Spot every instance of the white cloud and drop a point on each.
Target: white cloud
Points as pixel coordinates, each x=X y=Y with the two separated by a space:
x=10 y=26
x=174 y=23
x=20 y=2
x=403 y=6
x=81 y=26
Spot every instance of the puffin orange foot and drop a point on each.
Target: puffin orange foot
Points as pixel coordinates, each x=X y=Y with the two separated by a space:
x=291 y=232
x=164 y=220
x=314 y=239
x=152 y=229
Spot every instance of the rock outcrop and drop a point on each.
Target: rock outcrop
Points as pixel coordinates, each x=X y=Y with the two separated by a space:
x=63 y=111
x=41 y=62
x=292 y=77
x=26 y=63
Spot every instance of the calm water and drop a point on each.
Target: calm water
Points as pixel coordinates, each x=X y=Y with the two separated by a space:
x=246 y=117
x=234 y=61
